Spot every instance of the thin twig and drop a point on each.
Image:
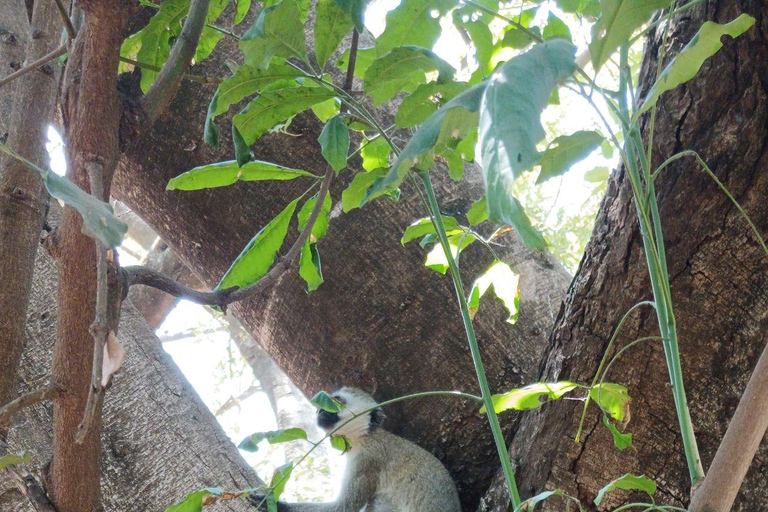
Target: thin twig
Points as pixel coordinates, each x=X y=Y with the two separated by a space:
x=100 y=325
x=185 y=76
x=352 y=59
x=42 y=61
x=26 y=400
x=71 y=32
x=168 y=80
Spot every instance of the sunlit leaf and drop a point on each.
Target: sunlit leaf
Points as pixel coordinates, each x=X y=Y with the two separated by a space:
x=402 y=69
x=556 y=29
x=505 y=285
x=425 y=100
x=331 y=25
x=280 y=478
x=375 y=153
x=277 y=32
x=341 y=443
x=530 y=397
x=222 y=174
x=530 y=504
x=257 y=257
x=612 y=398
x=354 y=194
x=326 y=402
x=437 y=259
x=12 y=459
x=565 y=151
x=310 y=268
x=250 y=443
x=365 y=57
x=334 y=142
x=424 y=227
x=687 y=63
x=628 y=482
x=620 y=439
x=241 y=10
x=478 y=212
x=411 y=23
x=193 y=502
x=597 y=175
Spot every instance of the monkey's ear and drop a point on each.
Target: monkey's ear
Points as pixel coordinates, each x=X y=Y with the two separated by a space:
x=377 y=418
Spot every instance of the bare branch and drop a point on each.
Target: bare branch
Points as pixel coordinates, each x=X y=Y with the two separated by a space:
x=71 y=32
x=42 y=61
x=234 y=401
x=185 y=76
x=164 y=88
x=26 y=400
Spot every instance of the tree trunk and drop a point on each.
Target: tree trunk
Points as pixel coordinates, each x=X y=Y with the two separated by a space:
x=159 y=441
x=719 y=276
x=381 y=321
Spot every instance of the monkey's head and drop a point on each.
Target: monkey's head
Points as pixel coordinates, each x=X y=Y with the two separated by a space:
x=356 y=412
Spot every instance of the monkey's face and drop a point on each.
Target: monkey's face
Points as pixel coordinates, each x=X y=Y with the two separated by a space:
x=359 y=413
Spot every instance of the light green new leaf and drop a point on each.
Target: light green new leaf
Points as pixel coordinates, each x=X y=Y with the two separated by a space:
x=99 y=220
x=341 y=443
x=482 y=40
x=277 y=32
x=193 y=502
x=618 y=21
x=222 y=174
x=620 y=439
x=241 y=10
x=280 y=478
x=247 y=81
x=257 y=257
x=11 y=459
x=529 y=397
x=331 y=25
x=423 y=227
x=334 y=142
x=355 y=193
x=425 y=100
x=612 y=398
x=402 y=69
x=628 y=482
x=325 y=110
x=566 y=151
x=365 y=57
x=250 y=443
x=355 y=10
x=209 y=38
x=556 y=29
x=436 y=258
x=505 y=285
x=478 y=212
x=326 y=402
x=597 y=175
x=375 y=154
x=687 y=63
x=510 y=127
x=274 y=107
x=412 y=23
x=310 y=268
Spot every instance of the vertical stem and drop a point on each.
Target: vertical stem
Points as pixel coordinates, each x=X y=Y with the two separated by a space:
x=498 y=437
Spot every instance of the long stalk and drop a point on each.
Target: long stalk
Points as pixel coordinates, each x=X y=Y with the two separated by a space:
x=498 y=436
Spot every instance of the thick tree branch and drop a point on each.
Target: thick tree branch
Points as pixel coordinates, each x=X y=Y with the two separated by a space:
x=222 y=298
x=71 y=32
x=164 y=88
x=26 y=400
x=42 y=61
x=718 y=490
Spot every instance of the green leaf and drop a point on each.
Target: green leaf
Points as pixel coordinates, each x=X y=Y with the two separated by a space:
x=618 y=21
x=478 y=212
x=621 y=440
x=325 y=110
x=242 y=149
x=425 y=100
x=209 y=38
x=274 y=107
x=505 y=285
x=585 y=7
x=565 y=151
x=464 y=106
x=510 y=127
x=247 y=81
x=517 y=38
x=309 y=263
x=334 y=142
x=326 y=402
x=222 y=174
x=402 y=69
x=412 y=23
x=356 y=192
x=687 y=63
x=612 y=398
x=375 y=154
x=628 y=482
x=423 y=227
x=529 y=397
x=597 y=175
x=257 y=257
x=277 y=32
x=530 y=504
x=280 y=478
x=193 y=502
x=556 y=29
x=355 y=10
x=331 y=25
x=99 y=220
x=11 y=459
x=482 y=40
x=436 y=258
x=241 y=10
x=250 y=443
x=341 y=443
x=365 y=57
x=310 y=268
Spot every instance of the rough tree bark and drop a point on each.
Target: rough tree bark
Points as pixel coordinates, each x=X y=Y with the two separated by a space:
x=719 y=276
x=381 y=321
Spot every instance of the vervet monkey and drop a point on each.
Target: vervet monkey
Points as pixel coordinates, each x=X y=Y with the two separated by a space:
x=384 y=473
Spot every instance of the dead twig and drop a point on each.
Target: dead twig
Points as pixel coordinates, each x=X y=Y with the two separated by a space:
x=42 y=61
x=26 y=400
x=71 y=32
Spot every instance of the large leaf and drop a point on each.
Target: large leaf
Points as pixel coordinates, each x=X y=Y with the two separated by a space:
x=618 y=21
x=423 y=141
x=423 y=227
x=309 y=263
x=334 y=142
x=425 y=100
x=331 y=25
x=510 y=127
x=566 y=151
x=529 y=397
x=612 y=398
x=250 y=443
x=411 y=23
x=402 y=69
x=505 y=285
x=274 y=107
x=247 y=81
x=257 y=257
x=193 y=502
x=277 y=32
x=222 y=174
x=687 y=63
x=628 y=482
x=99 y=220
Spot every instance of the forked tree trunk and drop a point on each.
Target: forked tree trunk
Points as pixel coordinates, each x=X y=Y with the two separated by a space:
x=719 y=278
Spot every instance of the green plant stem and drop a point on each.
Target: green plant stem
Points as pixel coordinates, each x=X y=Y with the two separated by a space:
x=493 y=420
